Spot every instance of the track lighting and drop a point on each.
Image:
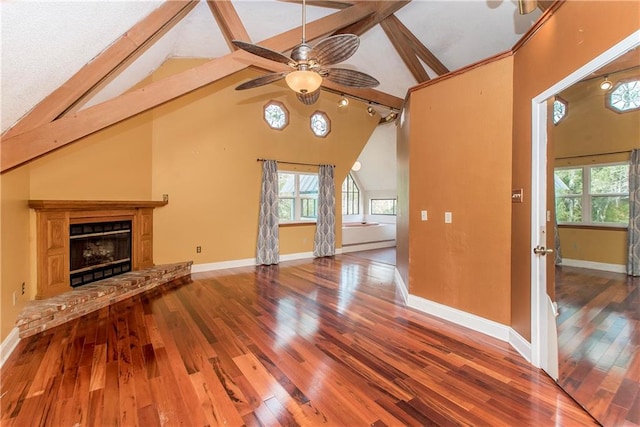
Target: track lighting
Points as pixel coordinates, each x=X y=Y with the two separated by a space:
x=356 y=166
x=606 y=83
x=371 y=111
x=343 y=102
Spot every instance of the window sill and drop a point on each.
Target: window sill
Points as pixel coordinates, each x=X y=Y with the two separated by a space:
x=616 y=227
x=296 y=223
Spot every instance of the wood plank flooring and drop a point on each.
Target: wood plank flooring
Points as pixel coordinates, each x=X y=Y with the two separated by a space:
x=599 y=342
x=309 y=343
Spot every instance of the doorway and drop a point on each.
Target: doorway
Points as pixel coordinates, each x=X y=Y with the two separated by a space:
x=544 y=339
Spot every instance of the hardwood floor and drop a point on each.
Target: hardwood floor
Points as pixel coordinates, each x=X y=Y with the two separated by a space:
x=313 y=342
x=384 y=255
x=599 y=342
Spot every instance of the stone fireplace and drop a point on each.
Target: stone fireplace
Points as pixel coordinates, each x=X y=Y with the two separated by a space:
x=79 y=242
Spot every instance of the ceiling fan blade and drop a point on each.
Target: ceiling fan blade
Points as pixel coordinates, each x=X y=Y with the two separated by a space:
x=335 y=49
x=261 y=81
x=349 y=78
x=308 y=98
x=263 y=52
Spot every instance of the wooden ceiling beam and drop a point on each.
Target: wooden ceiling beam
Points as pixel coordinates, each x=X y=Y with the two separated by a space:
x=47 y=137
x=228 y=21
x=543 y=5
x=405 y=51
x=420 y=49
x=330 y=4
x=102 y=66
x=383 y=10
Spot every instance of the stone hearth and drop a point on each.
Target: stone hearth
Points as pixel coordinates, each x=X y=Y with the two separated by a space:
x=40 y=315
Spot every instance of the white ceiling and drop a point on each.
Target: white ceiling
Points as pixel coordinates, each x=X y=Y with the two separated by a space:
x=43 y=43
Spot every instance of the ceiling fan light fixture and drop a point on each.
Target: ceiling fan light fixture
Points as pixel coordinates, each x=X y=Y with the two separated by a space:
x=606 y=84
x=304 y=81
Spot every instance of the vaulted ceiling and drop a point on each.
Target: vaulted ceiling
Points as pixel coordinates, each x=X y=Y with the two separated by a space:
x=67 y=65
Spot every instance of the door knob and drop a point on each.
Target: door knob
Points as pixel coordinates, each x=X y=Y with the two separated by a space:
x=541 y=250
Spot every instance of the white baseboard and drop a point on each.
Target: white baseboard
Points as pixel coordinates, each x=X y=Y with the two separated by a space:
x=615 y=268
x=368 y=246
x=402 y=287
x=8 y=345
x=248 y=262
x=459 y=317
x=521 y=345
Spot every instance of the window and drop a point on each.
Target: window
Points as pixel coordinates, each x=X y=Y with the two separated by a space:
x=560 y=107
x=625 y=96
x=276 y=115
x=298 y=196
x=593 y=195
x=350 y=197
x=383 y=207
x=320 y=124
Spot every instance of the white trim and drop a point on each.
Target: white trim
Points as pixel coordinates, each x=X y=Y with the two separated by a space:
x=8 y=345
x=249 y=262
x=199 y=268
x=368 y=246
x=401 y=286
x=459 y=317
x=521 y=345
x=539 y=308
x=593 y=265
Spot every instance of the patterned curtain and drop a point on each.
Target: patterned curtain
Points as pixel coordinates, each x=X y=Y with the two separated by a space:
x=633 y=264
x=268 y=252
x=324 y=243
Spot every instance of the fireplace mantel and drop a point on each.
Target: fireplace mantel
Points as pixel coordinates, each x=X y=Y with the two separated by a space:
x=73 y=205
x=53 y=218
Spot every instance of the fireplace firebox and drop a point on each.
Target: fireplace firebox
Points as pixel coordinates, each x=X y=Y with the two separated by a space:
x=99 y=250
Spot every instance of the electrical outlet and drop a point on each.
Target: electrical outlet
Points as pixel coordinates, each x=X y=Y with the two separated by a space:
x=198 y=249
x=423 y=215
x=22 y=288
x=448 y=217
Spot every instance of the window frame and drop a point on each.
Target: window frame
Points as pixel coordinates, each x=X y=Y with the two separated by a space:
x=298 y=199
x=345 y=202
x=326 y=119
x=607 y=97
x=284 y=110
x=565 y=103
x=587 y=196
x=395 y=205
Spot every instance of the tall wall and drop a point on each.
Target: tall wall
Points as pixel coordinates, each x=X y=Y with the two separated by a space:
x=205 y=146
x=201 y=150
x=576 y=33
x=460 y=162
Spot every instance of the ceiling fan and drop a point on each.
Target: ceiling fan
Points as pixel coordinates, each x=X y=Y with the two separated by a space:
x=310 y=65
x=527 y=6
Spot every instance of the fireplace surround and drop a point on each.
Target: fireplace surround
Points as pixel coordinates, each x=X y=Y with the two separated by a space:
x=60 y=222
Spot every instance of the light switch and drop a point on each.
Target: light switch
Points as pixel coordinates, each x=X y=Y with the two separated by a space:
x=448 y=217
x=424 y=215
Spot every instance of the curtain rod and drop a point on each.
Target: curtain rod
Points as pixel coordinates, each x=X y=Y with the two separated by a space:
x=294 y=163
x=593 y=155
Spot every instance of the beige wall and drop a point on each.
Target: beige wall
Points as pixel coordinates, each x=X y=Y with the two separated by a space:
x=461 y=163
x=15 y=238
x=205 y=147
x=576 y=33
x=201 y=150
